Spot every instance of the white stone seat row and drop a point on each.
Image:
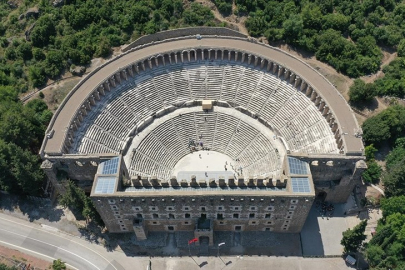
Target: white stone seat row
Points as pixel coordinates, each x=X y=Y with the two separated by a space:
x=274 y=100
x=161 y=149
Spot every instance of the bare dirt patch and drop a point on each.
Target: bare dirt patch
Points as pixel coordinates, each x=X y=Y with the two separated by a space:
x=12 y=257
x=54 y=94
x=235 y=22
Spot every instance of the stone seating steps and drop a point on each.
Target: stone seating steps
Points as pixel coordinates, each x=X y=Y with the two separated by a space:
x=122 y=111
x=157 y=154
x=140 y=96
x=110 y=123
x=214 y=81
x=164 y=86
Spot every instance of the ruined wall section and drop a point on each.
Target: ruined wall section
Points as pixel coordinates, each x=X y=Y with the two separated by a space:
x=184 y=32
x=335 y=174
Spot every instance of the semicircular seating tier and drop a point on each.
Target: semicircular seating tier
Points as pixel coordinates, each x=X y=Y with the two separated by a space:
x=161 y=148
x=292 y=114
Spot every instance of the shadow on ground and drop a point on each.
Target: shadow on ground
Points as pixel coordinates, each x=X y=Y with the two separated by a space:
x=362 y=105
x=33 y=208
x=161 y=244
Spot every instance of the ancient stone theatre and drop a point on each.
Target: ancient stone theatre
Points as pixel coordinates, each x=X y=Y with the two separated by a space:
x=203 y=130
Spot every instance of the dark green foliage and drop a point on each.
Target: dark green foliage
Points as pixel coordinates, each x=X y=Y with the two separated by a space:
x=374 y=255
x=58 y=265
x=394 y=179
x=5 y=267
x=401 y=48
x=373 y=172
x=37 y=75
x=198 y=15
x=54 y=63
x=386 y=249
x=386 y=126
x=396 y=156
x=393 y=205
x=21 y=133
x=361 y=92
x=24 y=51
x=81 y=30
x=43 y=31
x=370 y=151
x=76 y=199
x=352 y=238
x=392 y=84
x=343 y=34
x=224 y=6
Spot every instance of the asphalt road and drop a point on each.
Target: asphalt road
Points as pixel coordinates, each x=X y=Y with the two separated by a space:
x=48 y=243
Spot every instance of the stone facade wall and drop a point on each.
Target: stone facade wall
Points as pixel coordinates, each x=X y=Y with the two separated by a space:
x=181 y=32
x=251 y=213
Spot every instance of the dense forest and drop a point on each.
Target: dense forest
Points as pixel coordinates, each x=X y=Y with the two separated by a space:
x=40 y=41
x=343 y=33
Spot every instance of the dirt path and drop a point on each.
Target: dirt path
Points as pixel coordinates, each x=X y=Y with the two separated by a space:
x=66 y=79
x=236 y=22
x=388 y=57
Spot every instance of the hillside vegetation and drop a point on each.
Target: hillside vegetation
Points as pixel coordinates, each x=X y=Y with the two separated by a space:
x=345 y=34
x=42 y=46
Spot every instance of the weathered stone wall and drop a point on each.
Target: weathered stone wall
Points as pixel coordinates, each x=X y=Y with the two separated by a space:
x=335 y=175
x=251 y=213
x=181 y=32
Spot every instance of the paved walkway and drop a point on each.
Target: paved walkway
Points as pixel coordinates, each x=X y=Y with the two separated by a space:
x=321 y=234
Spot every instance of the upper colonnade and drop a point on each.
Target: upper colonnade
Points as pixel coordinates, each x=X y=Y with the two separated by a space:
x=83 y=97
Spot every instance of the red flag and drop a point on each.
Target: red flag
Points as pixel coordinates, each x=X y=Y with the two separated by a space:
x=193 y=241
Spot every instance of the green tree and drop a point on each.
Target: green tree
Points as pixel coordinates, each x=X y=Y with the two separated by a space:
x=360 y=91
x=24 y=51
x=43 y=31
x=54 y=63
x=353 y=238
x=36 y=75
x=373 y=172
x=293 y=28
x=394 y=157
x=393 y=205
x=401 y=48
x=394 y=180
x=386 y=126
x=370 y=151
x=76 y=199
x=58 y=265
x=374 y=255
x=104 y=48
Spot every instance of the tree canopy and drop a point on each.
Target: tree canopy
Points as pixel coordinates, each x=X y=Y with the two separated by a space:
x=386 y=126
x=81 y=30
x=344 y=34
x=76 y=199
x=360 y=91
x=21 y=131
x=387 y=248
x=353 y=238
